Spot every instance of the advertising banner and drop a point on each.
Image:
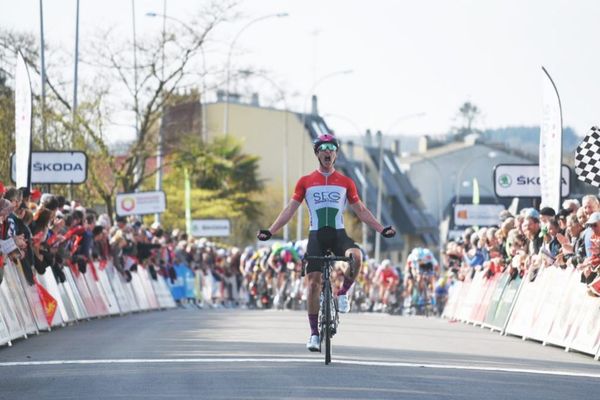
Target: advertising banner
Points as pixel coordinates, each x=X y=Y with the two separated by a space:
x=550 y=144
x=22 y=124
x=477 y=214
x=210 y=227
x=141 y=203
x=523 y=180
x=55 y=167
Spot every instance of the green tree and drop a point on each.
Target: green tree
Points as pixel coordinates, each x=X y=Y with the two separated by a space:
x=164 y=65
x=468 y=114
x=224 y=182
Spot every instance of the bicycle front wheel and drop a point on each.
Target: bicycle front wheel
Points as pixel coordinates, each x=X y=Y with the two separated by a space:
x=327 y=311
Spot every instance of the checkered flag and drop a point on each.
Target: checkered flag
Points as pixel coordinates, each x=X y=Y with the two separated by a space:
x=587 y=158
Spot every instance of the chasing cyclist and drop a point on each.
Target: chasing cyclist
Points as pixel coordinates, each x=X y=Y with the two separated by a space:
x=326 y=192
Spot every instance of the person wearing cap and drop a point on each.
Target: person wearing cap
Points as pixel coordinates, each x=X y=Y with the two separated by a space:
x=531 y=228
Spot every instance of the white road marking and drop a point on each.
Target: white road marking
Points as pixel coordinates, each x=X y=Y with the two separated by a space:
x=298 y=360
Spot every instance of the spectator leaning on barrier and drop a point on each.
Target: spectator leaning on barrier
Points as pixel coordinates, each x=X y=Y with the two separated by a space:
x=531 y=228
x=590 y=205
x=591 y=263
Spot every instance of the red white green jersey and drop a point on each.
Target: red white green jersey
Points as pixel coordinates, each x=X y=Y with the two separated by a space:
x=326 y=197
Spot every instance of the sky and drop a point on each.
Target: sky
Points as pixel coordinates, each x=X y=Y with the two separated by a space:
x=413 y=63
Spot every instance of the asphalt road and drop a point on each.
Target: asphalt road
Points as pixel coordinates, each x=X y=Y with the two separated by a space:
x=240 y=354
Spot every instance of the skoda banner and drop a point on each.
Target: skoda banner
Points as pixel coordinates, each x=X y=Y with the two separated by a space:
x=141 y=203
x=55 y=167
x=523 y=180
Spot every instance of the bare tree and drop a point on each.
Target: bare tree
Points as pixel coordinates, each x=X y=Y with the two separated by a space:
x=164 y=65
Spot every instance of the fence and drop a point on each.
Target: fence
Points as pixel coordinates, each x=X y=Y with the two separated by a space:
x=101 y=291
x=554 y=308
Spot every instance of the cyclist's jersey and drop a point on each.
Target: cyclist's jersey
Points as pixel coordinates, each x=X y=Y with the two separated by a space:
x=326 y=197
x=387 y=274
x=422 y=261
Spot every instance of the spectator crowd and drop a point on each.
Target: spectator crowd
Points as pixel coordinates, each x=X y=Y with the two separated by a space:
x=532 y=239
x=45 y=233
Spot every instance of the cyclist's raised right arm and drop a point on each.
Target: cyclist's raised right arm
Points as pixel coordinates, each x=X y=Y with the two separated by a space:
x=284 y=217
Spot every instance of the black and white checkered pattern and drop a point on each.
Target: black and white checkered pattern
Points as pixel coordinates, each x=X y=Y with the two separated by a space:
x=587 y=158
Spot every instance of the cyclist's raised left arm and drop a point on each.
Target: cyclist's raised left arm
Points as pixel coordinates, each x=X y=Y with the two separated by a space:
x=363 y=213
x=284 y=217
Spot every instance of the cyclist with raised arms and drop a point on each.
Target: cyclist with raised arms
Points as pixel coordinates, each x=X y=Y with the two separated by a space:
x=326 y=192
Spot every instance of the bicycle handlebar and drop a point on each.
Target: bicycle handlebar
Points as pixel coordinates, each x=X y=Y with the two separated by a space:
x=328 y=258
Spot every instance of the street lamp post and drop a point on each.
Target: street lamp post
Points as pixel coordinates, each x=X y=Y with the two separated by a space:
x=284 y=177
x=138 y=167
x=303 y=139
x=43 y=75
x=228 y=71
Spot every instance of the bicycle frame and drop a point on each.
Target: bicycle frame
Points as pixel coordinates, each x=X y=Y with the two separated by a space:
x=328 y=313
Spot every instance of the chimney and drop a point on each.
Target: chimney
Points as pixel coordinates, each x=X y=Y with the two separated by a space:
x=396 y=147
x=423 y=144
x=314 y=109
x=349 y=150
x=379 y=137
x=368 y=139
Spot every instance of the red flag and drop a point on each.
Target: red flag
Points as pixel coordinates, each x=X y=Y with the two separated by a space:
x=48 y=302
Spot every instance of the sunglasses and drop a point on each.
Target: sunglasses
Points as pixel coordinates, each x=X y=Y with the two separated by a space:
x=327 y=146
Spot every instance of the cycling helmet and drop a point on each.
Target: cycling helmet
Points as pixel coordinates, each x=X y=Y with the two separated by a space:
x=326 y=138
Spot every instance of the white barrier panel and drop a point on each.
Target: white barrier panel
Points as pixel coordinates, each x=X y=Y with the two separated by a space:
x=489 y=288
x=34 y=301
x=138 y=291
x=586 y=335
x=145 y=278
x=4 y=333
x=84 y=292
x=106 y=289
x=554 y=296
x=526 y=306
x=71 y=291
x=91 y=281
x=453 y=299
x=567 y=311
x=129 y=294
x=8 y=310
x=165 y=297
x=17 y=297
x=65 y=308
x=473 y=296
x=116 y=282
x=34 y=313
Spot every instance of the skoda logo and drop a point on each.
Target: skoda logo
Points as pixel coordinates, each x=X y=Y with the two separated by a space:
x=505 y=180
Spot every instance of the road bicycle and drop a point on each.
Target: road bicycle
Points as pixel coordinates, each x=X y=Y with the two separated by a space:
x=328 y=311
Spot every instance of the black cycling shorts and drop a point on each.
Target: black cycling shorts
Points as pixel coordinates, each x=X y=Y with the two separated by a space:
x=325 y=239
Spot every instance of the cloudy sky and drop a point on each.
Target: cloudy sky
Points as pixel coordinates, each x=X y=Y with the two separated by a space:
x=423 y=57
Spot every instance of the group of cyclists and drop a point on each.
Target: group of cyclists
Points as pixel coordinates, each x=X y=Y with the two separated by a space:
x=273 y=278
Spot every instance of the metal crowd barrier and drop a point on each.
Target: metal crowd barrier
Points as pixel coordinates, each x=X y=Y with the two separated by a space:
x=99 y=292
x=554 y=308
